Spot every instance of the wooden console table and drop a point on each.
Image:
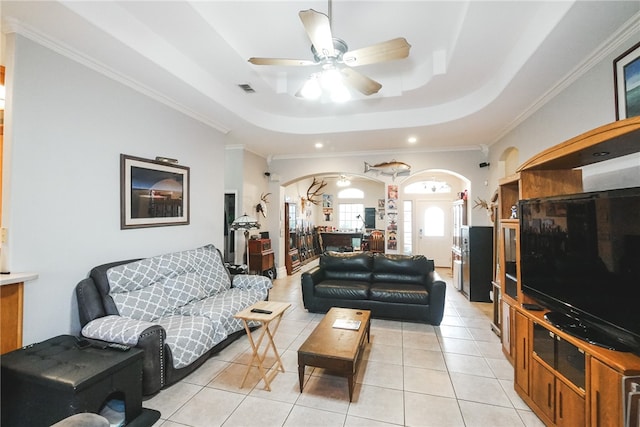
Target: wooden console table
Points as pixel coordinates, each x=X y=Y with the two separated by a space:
x=339 y=241
x=11 y=304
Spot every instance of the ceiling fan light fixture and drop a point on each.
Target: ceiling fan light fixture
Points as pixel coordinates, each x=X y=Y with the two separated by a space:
x=332 y=82
x=330 y=77
x=311 y=89
x=329 y=52
x=340 y=93
x=329 y=82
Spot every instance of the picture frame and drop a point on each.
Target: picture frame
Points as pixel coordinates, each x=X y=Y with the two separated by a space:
x=626 y=77
x=153 y=193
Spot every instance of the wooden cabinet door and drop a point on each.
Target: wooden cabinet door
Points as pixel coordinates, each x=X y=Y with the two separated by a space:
x=605 y=396
x=522 y=349
x=570 y=409
x=543 y=388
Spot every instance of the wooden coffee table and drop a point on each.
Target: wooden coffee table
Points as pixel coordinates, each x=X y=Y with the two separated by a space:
x=334 y=349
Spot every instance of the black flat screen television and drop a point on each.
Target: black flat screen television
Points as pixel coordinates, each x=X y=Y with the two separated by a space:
x=580 y=257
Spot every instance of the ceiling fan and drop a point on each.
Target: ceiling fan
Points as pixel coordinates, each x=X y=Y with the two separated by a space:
x=335 y=59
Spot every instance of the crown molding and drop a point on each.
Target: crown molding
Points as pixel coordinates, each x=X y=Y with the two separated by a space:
x=12 y=25
x=375 y=153
x=609 y=46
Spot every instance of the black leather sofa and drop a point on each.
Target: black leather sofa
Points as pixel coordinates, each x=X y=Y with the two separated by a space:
x=401 y=287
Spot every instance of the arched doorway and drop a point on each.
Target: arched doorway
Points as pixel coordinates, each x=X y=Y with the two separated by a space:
x=431 y=194
x=343 y=203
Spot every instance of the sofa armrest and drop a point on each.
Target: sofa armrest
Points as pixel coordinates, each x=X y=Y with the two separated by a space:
x=251 y=281
x=89 y=301
x=117 y=329
x=149 y=337
x=309 y=279
x=437 y=290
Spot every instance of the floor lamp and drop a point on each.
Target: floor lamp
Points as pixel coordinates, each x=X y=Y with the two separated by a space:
x=246 y=223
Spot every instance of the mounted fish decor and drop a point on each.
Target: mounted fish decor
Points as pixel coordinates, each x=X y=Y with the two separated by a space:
x=392 y=168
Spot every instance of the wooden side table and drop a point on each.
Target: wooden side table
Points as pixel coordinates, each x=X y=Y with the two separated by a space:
x=270 y=323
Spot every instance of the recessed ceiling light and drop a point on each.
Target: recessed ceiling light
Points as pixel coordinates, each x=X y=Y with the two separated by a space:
x=412 y=140
x=319 y=145
x=601 y=154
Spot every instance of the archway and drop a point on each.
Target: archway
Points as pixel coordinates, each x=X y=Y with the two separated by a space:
x=427 y=213
x=311 y=203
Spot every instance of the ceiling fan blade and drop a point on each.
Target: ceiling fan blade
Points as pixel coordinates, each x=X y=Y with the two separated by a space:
x=319 y=31
x=381 y=52
x=360 y=82
x=281 y=61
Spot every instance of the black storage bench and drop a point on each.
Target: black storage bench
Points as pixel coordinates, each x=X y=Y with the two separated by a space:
x=51 y=380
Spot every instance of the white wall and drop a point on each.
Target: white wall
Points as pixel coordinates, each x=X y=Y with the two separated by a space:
x=586 y=104
x=244 y=175
x=62 y=201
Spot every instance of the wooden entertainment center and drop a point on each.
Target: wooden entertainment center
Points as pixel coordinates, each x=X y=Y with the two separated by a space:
x=566 y=381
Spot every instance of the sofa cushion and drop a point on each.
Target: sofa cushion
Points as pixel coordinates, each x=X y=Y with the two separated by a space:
x=183 y=289
x=148 y=303
x=347 y=266
x=189 y=337
x=154 y=287
x=410 y=269
x=221 y=308
x=399 y=293
x=342 y=289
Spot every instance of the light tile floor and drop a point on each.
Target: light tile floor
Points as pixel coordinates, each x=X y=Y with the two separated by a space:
x=412 y=374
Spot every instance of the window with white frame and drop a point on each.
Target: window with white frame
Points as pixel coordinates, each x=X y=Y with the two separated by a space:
x=348 y=216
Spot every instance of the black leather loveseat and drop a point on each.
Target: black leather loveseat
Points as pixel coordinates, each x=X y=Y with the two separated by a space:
x=391 y=286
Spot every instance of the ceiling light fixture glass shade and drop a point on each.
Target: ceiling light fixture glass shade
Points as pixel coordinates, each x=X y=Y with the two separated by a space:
x=330 y=78
x=311 y=89
x=329 y=82
x=340 y=93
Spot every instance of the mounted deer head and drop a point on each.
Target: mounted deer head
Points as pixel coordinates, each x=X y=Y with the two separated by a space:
x=262 y=206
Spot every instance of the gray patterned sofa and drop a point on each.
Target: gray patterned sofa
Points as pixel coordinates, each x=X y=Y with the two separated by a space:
x=177 y=307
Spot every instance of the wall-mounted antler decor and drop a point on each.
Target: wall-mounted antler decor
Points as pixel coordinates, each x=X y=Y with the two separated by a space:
x=313 y=193
x=262 y=206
